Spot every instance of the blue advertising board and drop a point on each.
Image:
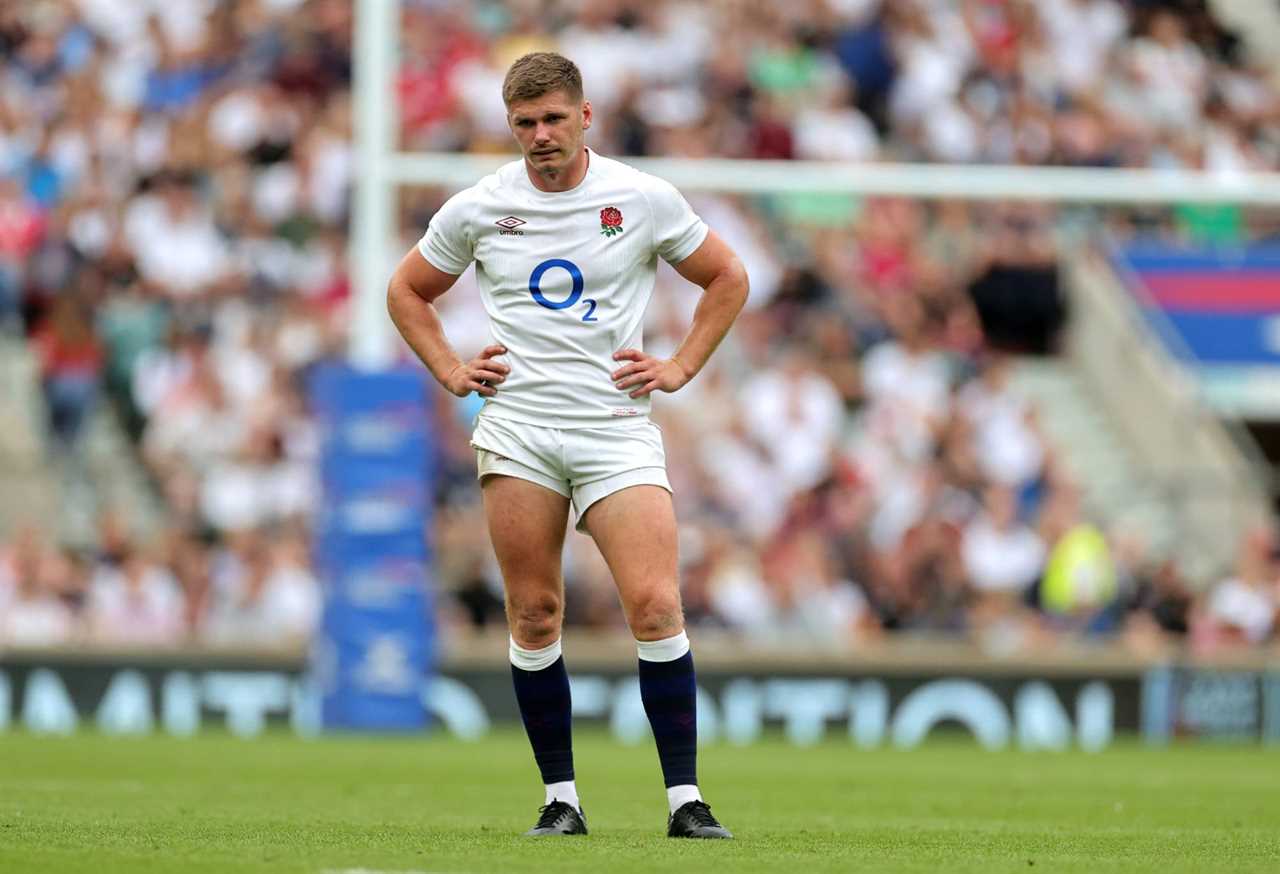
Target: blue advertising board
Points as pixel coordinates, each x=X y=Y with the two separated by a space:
x=1210 y=306
x=374 y=650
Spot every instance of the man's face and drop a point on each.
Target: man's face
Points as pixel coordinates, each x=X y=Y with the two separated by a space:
x=550 y=129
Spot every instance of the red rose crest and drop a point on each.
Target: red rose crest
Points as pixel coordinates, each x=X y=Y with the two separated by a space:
x=611 y=221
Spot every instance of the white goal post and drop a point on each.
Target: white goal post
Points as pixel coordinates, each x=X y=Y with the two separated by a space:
x=381 y=168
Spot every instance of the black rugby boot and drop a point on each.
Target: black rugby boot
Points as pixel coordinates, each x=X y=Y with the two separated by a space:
x=558 y=818
x=694 y=820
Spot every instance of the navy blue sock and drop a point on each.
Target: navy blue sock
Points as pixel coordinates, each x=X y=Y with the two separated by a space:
x=670 y=699
x=545 y=707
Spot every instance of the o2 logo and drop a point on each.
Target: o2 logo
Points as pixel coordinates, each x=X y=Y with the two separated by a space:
x=575 y=295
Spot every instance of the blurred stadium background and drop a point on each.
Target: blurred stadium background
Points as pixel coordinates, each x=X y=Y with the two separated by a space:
x=995 y=442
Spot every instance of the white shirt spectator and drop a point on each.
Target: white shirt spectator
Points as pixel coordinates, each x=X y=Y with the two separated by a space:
x=478 y=86
x=245 y=373
x=36 y=619
x=746 y=480
x=292 y=602
x=835 y=134
x=8 y=581
x=909 y=394
x=1083 y=34
x=271 y=259
x=90 y=231
x=951 y=134
x=140 y=604
x=330 y=169
x=277 y=192
x=1173 y=78
x=688 y=31
x=1001 y=558
x=1227 y=152
x=237 y=121
x=234 y=496
x=124 y=22
x=745 y=236
x=607 y=56
x=195 y=423
x=1249 y=609
x=176 y=245
x=739 y=596
x=824 y=612
x=279 y=609
x=1008 y=448
x=891 y=372
x=932 y=67
x=292 y=488
x=796 y=414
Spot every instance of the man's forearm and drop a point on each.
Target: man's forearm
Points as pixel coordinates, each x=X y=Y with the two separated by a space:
x=419 y=323
x=721 y=302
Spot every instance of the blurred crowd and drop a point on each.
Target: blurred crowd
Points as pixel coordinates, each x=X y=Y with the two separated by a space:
x=175 y=182
x=1071 y=82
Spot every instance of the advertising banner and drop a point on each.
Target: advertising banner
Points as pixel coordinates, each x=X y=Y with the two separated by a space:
x=1217 y=704
x=999 y=709
x=373 y=652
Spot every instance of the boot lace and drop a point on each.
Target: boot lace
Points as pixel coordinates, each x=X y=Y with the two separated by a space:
x=549 y=814
x=700 y=813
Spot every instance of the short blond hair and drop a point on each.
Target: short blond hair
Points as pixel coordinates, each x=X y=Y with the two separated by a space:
x=539 y=73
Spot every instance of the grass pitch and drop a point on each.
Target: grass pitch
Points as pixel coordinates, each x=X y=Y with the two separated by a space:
x=277 y=804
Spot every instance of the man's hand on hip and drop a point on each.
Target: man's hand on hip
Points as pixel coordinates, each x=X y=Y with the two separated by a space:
x=649 y=373
x=480 y=374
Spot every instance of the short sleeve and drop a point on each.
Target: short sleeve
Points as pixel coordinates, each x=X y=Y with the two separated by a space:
x=446 y=244
x=677 y=230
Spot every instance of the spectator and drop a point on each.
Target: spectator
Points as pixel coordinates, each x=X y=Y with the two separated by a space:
x=1172 y=72
x=136 y=604
x=266 y=597
x=795 y=414
x=811 y=602
x=175 y=190
x=1009 y=448
x=1083 y=34
x=35 y=614
x=1242 y=608
x=1002 y=556
x=22 y=227
x=174 y=241
x=1079 y=584
x=834 y=129
x=70 y=368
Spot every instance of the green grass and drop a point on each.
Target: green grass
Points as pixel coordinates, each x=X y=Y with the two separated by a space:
x=214 y=803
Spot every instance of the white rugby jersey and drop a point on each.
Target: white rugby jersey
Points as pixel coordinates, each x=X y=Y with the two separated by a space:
x=565 y=277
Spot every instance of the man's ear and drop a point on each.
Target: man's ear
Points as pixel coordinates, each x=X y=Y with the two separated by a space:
x=586 y=114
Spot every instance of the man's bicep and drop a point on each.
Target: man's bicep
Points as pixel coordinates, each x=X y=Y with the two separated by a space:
x=427 y=280
x=711 y=259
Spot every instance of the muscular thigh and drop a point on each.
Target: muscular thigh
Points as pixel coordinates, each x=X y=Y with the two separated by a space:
x=527 y=526
x=635 y=529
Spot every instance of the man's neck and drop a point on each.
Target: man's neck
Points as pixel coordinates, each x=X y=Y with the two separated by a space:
x=560 y=180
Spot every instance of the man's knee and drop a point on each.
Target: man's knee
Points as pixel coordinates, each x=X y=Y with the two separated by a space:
x=535 y=622
x=656 y=616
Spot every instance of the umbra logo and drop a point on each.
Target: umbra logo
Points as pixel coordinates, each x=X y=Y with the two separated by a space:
x=509 y=225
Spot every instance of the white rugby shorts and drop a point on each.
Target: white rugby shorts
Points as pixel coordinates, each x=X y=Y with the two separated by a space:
x=583 y=464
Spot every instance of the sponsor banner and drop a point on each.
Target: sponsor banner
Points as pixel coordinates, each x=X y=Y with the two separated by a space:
x=60 y=696
x=1213 y=306
x=1183 y=702
x=372 y=655
x=49 y=696
x=998 y=710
